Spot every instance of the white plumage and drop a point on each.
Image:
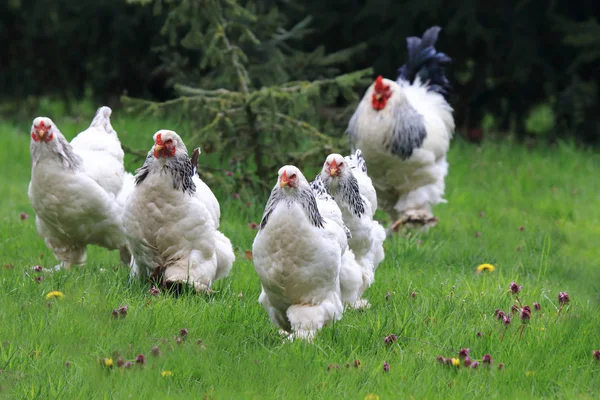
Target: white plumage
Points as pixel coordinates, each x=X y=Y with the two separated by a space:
x=404 y=129
x=351 y=276
x=367 y=235
x=297 y=255
x=78 y=190
x=171 y=220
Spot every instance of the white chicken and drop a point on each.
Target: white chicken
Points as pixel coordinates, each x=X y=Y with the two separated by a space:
x=367 y=236
x=171 y=220
x=297 y=255
x=358 y=166
x=78 y=191
x=404 y=129
x=351 y=278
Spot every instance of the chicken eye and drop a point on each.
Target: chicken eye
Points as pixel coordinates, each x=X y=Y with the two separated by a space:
x=293 y=176
x=341 y=164
x=168 y=141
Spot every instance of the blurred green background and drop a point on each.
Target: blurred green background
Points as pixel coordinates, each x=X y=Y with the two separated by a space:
x=528 y=68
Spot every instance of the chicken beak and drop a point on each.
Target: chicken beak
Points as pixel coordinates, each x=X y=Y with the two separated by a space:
x=284 y=181
x=333 y=169
x=41 y=133
x=378 y=96
x=158 y=147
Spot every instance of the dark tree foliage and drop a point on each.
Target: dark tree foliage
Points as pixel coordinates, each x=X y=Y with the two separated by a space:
x=64 y=47
x=509 y=56
x=244 y=87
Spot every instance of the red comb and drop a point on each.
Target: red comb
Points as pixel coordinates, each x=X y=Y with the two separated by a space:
x=379 y=86
x=159 y=139
x=41 y=123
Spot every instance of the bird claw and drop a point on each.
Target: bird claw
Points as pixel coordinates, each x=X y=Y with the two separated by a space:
x=415 y=220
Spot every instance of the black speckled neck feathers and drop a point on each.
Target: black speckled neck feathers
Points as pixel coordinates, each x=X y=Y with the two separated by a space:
x=180 y=168
x=303 y=196
x=347 y=193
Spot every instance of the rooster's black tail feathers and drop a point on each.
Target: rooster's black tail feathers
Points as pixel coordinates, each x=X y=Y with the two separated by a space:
x=425 y=62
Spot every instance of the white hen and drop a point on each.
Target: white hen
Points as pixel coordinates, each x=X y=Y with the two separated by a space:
x=77 y=198
x=170 y=220
x=404 y=129
x=367 y=235
x=297 y=255
x=351 y=277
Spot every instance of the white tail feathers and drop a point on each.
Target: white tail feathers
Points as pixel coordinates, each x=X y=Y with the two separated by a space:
x=225 y=255
x=377 y=251
x=102 y=120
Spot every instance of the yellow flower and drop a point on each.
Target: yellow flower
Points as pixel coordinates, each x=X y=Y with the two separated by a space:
x=529 y=373
x=166 y=373
x=56 y=293
x=108 y=362
x=485 y=267
x=371 y=396
x=455 y=362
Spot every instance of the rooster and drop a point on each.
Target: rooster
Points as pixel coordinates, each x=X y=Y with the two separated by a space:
x=297 y=255
x=403 y=129
x=171 y=220
x=78 y=189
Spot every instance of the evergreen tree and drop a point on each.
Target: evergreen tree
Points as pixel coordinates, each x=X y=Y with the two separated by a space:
x=254 y=98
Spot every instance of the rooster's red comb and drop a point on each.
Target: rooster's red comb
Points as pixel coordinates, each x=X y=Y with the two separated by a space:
x=380 y=86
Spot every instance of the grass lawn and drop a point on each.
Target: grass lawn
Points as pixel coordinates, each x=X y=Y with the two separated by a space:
x=533 y=214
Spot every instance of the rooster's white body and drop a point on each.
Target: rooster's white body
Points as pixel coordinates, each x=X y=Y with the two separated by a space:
x=404 y=130
x=297 y=255
x=78 y=190
x=171 y=220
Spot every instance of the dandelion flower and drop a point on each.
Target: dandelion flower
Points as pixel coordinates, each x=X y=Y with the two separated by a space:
x=371 y=396
x=485 y=267
x=108 y=362
x=455 y=362
x=55 y=294
x=166 y=373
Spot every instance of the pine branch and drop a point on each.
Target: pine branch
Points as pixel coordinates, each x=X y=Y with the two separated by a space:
x=239 y=68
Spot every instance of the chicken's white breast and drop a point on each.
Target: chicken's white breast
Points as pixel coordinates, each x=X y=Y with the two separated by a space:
x=171 y=232
x=297 y=255
x=72 y=209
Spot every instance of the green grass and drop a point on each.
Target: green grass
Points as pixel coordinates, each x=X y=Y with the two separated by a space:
x=553 y=193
